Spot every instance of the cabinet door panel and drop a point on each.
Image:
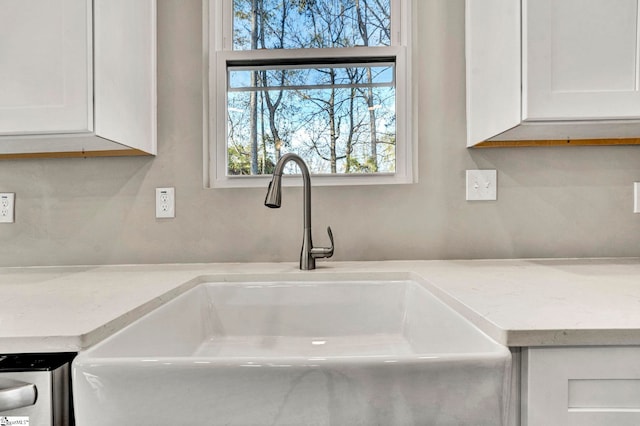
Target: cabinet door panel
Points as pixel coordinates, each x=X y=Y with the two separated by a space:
x=586 y=386
x=45 y=48
x=581 y=59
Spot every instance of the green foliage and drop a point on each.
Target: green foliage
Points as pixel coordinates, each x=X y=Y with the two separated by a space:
x=239 y=162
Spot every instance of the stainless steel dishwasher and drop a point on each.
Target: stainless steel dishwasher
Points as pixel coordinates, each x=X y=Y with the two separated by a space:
x=35 y=390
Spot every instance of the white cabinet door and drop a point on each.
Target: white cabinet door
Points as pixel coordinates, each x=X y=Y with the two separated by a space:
x=580 y=59
x=581 y=386
x=77 y=78
x=45 y=66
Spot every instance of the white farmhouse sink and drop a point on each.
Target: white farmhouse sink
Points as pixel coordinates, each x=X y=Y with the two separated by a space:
x=296 y=353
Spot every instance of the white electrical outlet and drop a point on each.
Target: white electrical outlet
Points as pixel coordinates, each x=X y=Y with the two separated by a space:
x=165 y=203
x=482 y=185
x=636 y=197
x=7 y=207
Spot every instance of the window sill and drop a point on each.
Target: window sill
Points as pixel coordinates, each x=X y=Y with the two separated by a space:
x=316 y=180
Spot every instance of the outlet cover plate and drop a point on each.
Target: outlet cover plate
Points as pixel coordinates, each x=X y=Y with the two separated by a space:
x=482 y=185
x=636 y=197
x=7 y=207
x=165 y=203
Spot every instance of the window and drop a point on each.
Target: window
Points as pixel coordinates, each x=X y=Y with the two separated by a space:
x=326 y=79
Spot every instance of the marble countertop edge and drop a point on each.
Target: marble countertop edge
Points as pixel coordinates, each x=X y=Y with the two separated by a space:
x=531 y=302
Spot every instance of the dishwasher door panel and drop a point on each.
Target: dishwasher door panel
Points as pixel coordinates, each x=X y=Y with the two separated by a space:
x=51 y=407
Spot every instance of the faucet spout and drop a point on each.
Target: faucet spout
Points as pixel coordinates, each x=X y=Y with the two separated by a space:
x=308 y=254
x=274 y=193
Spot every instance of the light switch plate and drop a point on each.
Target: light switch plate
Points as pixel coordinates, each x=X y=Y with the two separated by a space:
x=482 y=185
x=636 y=197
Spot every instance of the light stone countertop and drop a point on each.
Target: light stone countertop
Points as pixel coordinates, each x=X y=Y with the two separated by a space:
x=517 y=302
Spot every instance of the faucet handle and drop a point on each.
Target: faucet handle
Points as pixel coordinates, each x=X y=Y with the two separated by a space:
x=330 y=239
x=319 y=252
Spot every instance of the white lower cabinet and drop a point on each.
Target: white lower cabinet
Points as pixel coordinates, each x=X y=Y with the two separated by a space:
x=581 y=386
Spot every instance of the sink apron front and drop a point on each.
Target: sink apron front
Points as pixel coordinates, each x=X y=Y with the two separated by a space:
x=330 y=353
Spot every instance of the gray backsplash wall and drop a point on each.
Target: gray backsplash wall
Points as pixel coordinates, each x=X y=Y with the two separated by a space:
x=552 y=202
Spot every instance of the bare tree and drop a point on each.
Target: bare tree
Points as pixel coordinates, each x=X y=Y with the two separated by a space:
x=273 y=104
x=332 y=112
x=256 y=7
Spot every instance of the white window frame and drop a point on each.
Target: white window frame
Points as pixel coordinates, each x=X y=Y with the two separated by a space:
x=217 y=50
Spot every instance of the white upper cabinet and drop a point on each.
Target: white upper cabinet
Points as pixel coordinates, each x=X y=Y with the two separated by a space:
x=44 y=66
x=581 y=59
x=552 y=70
x=77 y=77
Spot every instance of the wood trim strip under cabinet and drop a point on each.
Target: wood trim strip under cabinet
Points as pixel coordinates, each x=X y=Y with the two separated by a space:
x=82 y=154
x=567 y=142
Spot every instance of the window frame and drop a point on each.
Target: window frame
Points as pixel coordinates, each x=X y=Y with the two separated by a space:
x=218 y=51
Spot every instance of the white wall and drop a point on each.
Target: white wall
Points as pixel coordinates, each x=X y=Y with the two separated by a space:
x=552 y=202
